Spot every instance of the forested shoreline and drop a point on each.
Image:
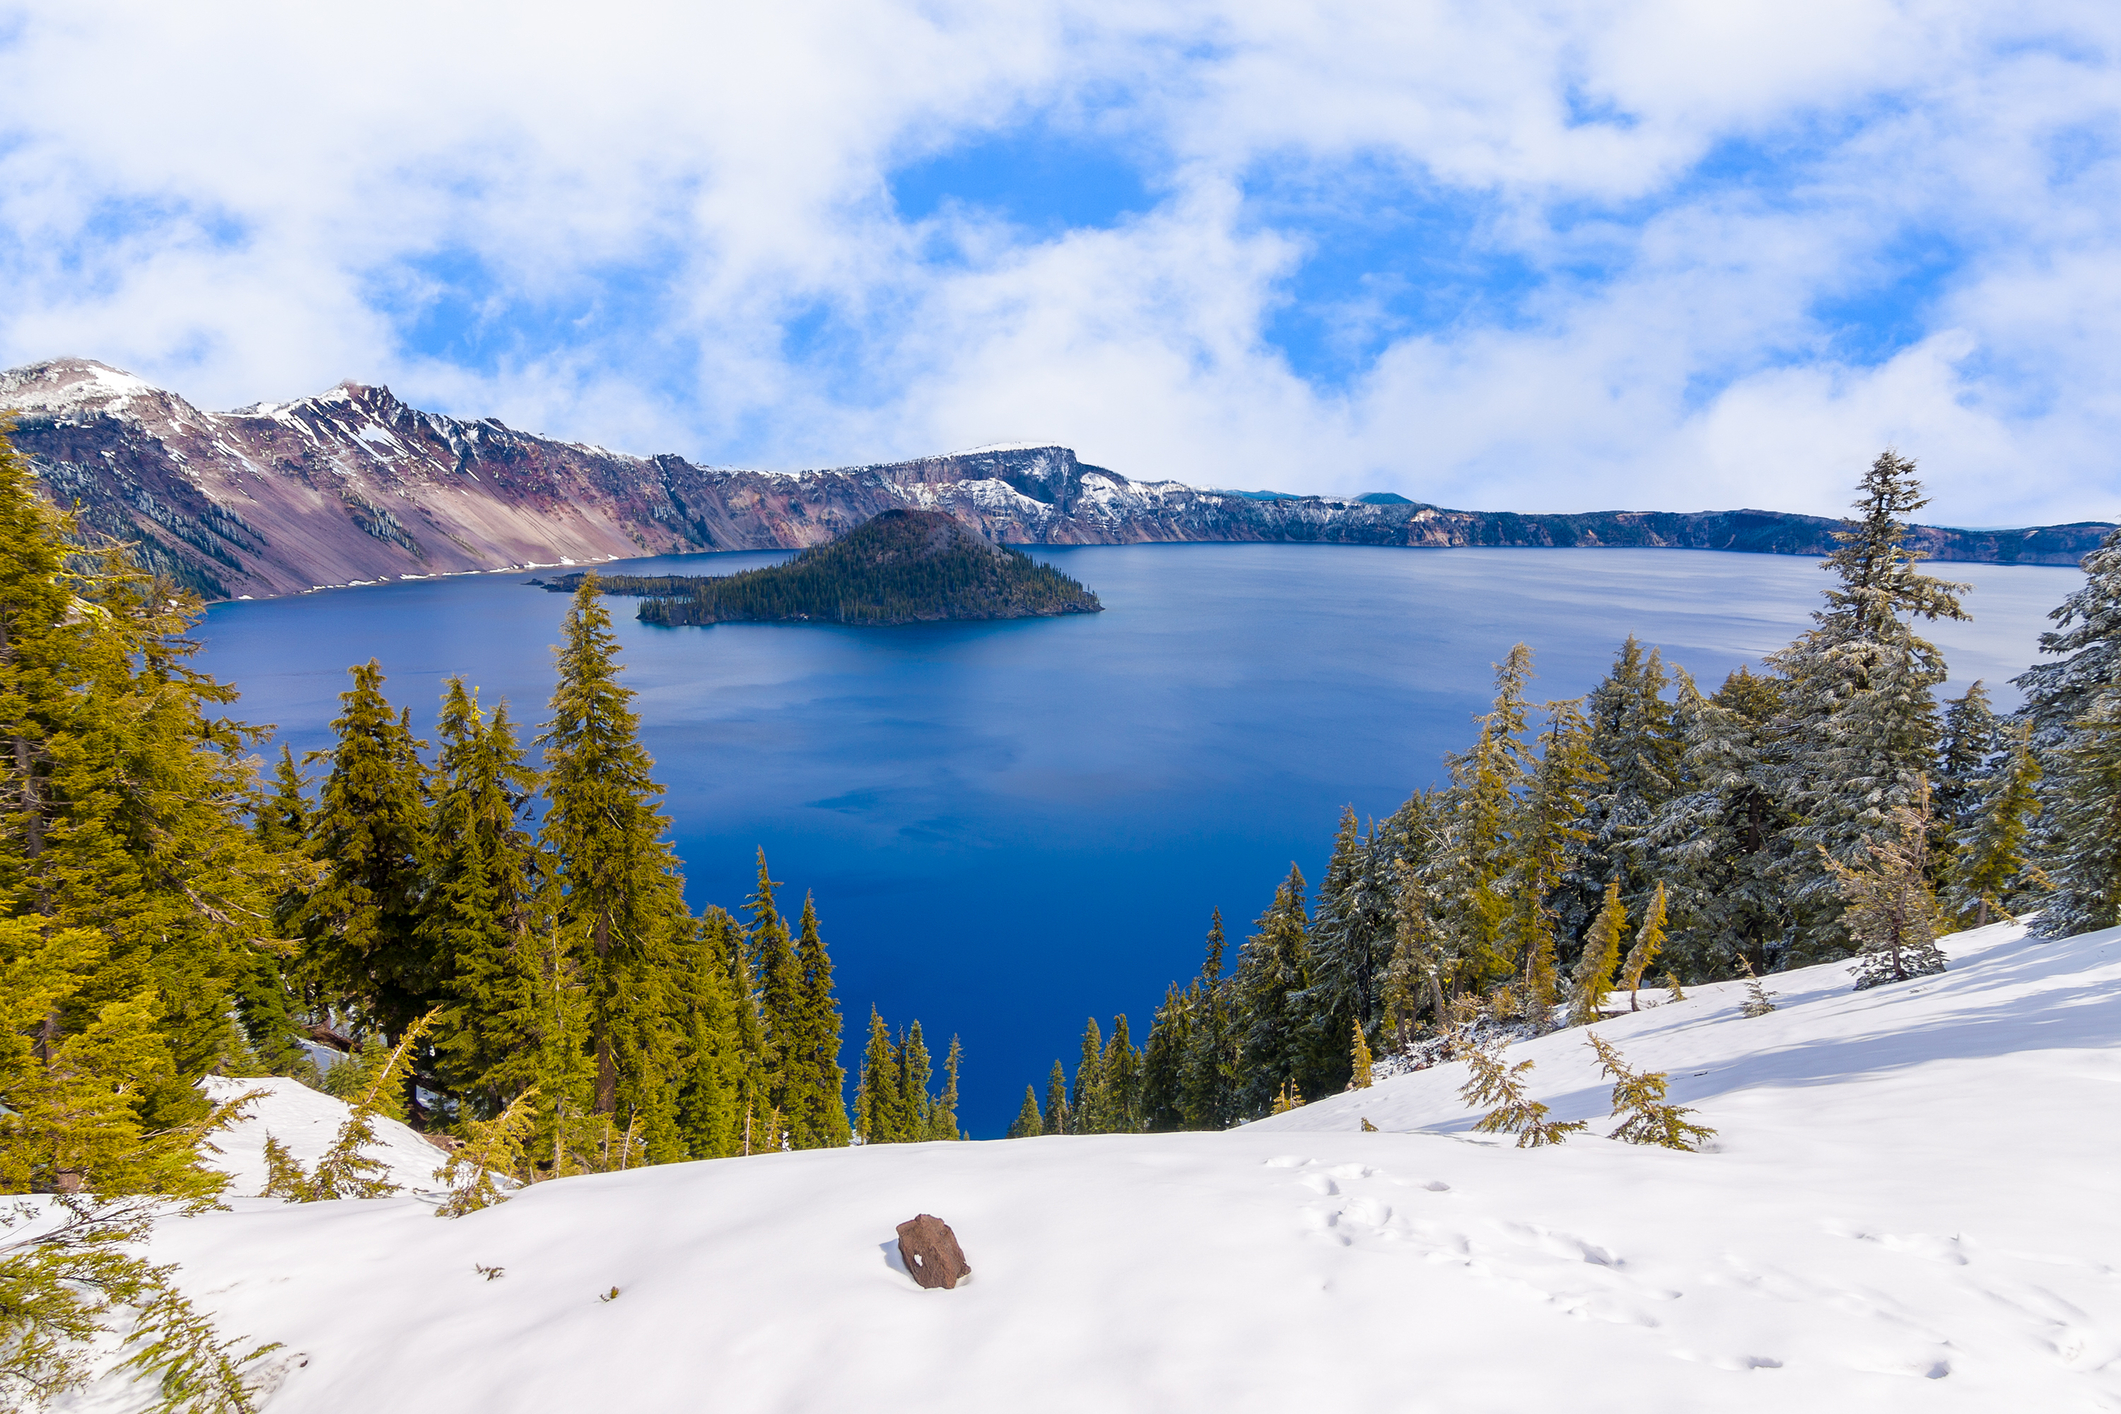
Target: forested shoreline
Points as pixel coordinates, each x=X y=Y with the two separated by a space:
x=1653 y=834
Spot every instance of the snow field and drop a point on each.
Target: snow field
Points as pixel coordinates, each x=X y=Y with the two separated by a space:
x=1910 y=1205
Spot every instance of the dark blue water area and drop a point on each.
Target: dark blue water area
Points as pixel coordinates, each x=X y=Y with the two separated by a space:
x=1010 y=827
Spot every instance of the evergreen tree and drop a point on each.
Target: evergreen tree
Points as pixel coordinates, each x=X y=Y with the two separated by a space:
x=1859 y=728
x=1973 y=737
x=621 y=898
x=1546 y=832
x=481 y=909
x=1892 y=915
x=1350 y=947
x=1992 y=869
x=1489 y=1082
x=942 y=1112
x=1359 y=1078
x=361 y=926
x=916 y=1109
x=1593 y=977
x=816 y=1110
x=1057 y=1118
x=1209 y=1098
x=1028 y=1123
x=1720 y=845
x=1122 y=1066
x=1759 y=1001
x=1635 y=736
x=1646 y=1117
x=2087 y=639
x=879 y=1093
x=1272 y=971
x=782 y=1000
x=720 y=1081
x=1166 y=1058
x=1649 y=940
x=266 y=996
x=1087 y=1102
x=124 y=801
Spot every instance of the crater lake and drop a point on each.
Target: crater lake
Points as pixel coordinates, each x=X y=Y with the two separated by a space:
x=1012 y=826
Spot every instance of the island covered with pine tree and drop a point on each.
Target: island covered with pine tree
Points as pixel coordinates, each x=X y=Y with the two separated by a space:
x=904 y=566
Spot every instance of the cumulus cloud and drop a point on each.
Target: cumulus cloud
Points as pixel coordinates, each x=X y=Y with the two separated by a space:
x=1700 y=255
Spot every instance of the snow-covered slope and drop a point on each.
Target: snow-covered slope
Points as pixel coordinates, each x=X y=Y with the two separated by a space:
x=307 y=1122
x=1911 y=1206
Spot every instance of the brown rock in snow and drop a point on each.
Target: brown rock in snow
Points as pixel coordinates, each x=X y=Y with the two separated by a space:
x=929 y=1249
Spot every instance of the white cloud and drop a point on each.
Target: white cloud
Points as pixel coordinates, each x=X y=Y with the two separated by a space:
x=662 y=200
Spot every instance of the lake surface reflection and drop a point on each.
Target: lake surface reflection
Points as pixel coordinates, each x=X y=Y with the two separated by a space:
x=1009 y=827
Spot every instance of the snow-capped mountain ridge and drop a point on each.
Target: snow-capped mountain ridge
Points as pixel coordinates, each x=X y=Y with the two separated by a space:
x=353 y=485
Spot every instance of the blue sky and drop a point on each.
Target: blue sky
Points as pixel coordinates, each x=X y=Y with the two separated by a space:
x=1555 y=256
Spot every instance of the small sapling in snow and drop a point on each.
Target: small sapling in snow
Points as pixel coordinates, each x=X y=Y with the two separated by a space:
x=1759 y=1001
x=1638 y=1099
x=1493 y=1083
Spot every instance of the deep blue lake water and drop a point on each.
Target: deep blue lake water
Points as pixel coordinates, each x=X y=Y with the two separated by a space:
x=1009 y=827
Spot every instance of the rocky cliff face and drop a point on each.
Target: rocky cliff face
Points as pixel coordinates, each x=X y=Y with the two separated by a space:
x=352 y=486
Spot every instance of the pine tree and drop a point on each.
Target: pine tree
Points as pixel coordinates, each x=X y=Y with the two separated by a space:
x=1057 y=1120
x=1859 y=729
x=491 y=1152
x=2087 y=638
x=2081 y=825
x=125 y=796
x=1973 y=737
x=481 y=912
x=621 y=896
x=1350 y=946
x=816 y=1108
x=1649 y=939
x=1636 y=738
x=1892 y=916
x=361 y=925
x=1028 y=1124
x=1638 y=1102
x=266 y=1000
x=879 y=1094
x=1360 y=1078
x=1272 y=972
x=1759 y=1001
x=1545 y=834
x=1593 y=977
x=1164 y=1061
x=1491 y=1083
x=1087 y=1102
x=781 y=995
x=916 y=1107
x=1720 y=847
x=1210 y=1094
x=942 y=1112
x=718 y=1080
x=1419 y=962
x=1991 y=869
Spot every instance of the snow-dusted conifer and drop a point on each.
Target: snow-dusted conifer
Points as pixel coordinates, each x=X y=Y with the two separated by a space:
x=1859 y=728
x=1350 y=945
x=1544 y=835
x=1056 y=1119
x=1635 y=735
x=2081 y=825
x=1892 y=916
x=1272 y=971
x=1759 y=1001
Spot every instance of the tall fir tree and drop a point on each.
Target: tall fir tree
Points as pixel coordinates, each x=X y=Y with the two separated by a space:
x=1029 y=1124
x=1351 y=943
x=879 y=1092
x=1548 y=831
x=1272 y=972
x=1087 y=1101
x=2080 y=825
x=1859 y=728
x=1122 y=1066
x=718 y=1079
x=1992 y=872
x=482 y=891
x=782 y=1000
x=816 y=1107
x=621 y=898
x=1165 y=1057
x=2087 y=641
x=915 y=1106
x=1057 y=1119
x=1209 y=1083
x=1636 y=738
